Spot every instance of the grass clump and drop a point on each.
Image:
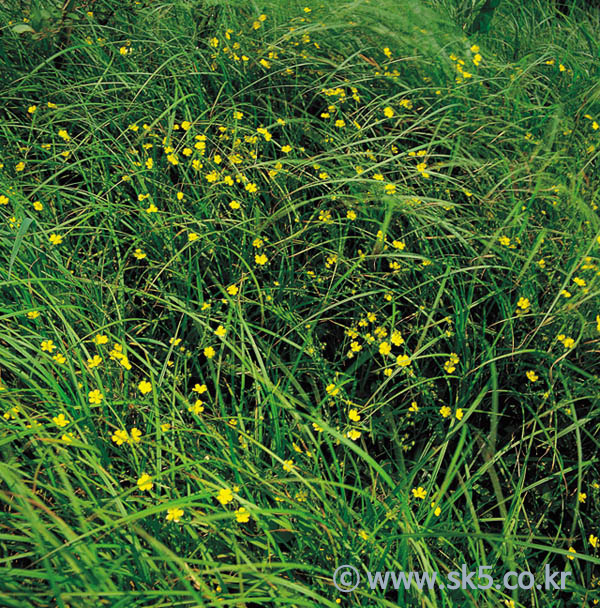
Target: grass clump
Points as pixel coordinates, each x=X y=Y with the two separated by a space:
x=291 y=286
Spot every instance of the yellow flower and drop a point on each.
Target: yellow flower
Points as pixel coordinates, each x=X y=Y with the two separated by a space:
x=354 y=415
x=48 y=346
x=593 y=540
x=145 y=482
x=445 y=411
x=197 y=408
x=139 y=254
x=436 y=509
x=459 y=414
x=20 y=166
x=68 y=438
x=403 y=360
x=144 y=387
x=37 y=205
x=288 y=465
x=174 y=514
x=95 y=361
x=523 y=303
x=64 y=135
x=582 y=496
x=242 y=516
x=209 y=352
x=225 y=496
x=397 y=338
x=232 y=290
x=332 y=390
x=421 y=169
x=419 y=492
x=95 y=397
x=100 y=339
x=571 y=550
x=192 y=236
x=59 y=358
x=136 y=435
x=353 y=434
x=220 y=331
x=11 y=414
x=388 y=112
x=185 y=125
x=3 y=200
x=200 y=388
x=120 y=437
x=261 y=259
x=60 y=420
x=385 y=348
x=449 y=367
x=31 y=109
x=55 y=239
x=531 y=375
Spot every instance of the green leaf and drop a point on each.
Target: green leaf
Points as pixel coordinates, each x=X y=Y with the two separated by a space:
x=18 y=239
x=21 y=28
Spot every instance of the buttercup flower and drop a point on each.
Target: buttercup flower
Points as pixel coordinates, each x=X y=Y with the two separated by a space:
x=174 y=514
x=144 y=387
x=225 y=496
x=144 y=483
x=241 y=515
x=419 y=492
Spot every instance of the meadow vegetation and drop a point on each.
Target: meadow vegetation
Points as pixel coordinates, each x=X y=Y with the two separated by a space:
x=286 y=285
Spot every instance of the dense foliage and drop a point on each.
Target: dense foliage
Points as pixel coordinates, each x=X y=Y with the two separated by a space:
x=290 y=285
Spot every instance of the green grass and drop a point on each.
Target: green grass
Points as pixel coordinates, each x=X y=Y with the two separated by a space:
x=390 y=291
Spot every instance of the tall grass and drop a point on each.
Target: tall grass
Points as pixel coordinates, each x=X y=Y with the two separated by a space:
x=286 y=286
